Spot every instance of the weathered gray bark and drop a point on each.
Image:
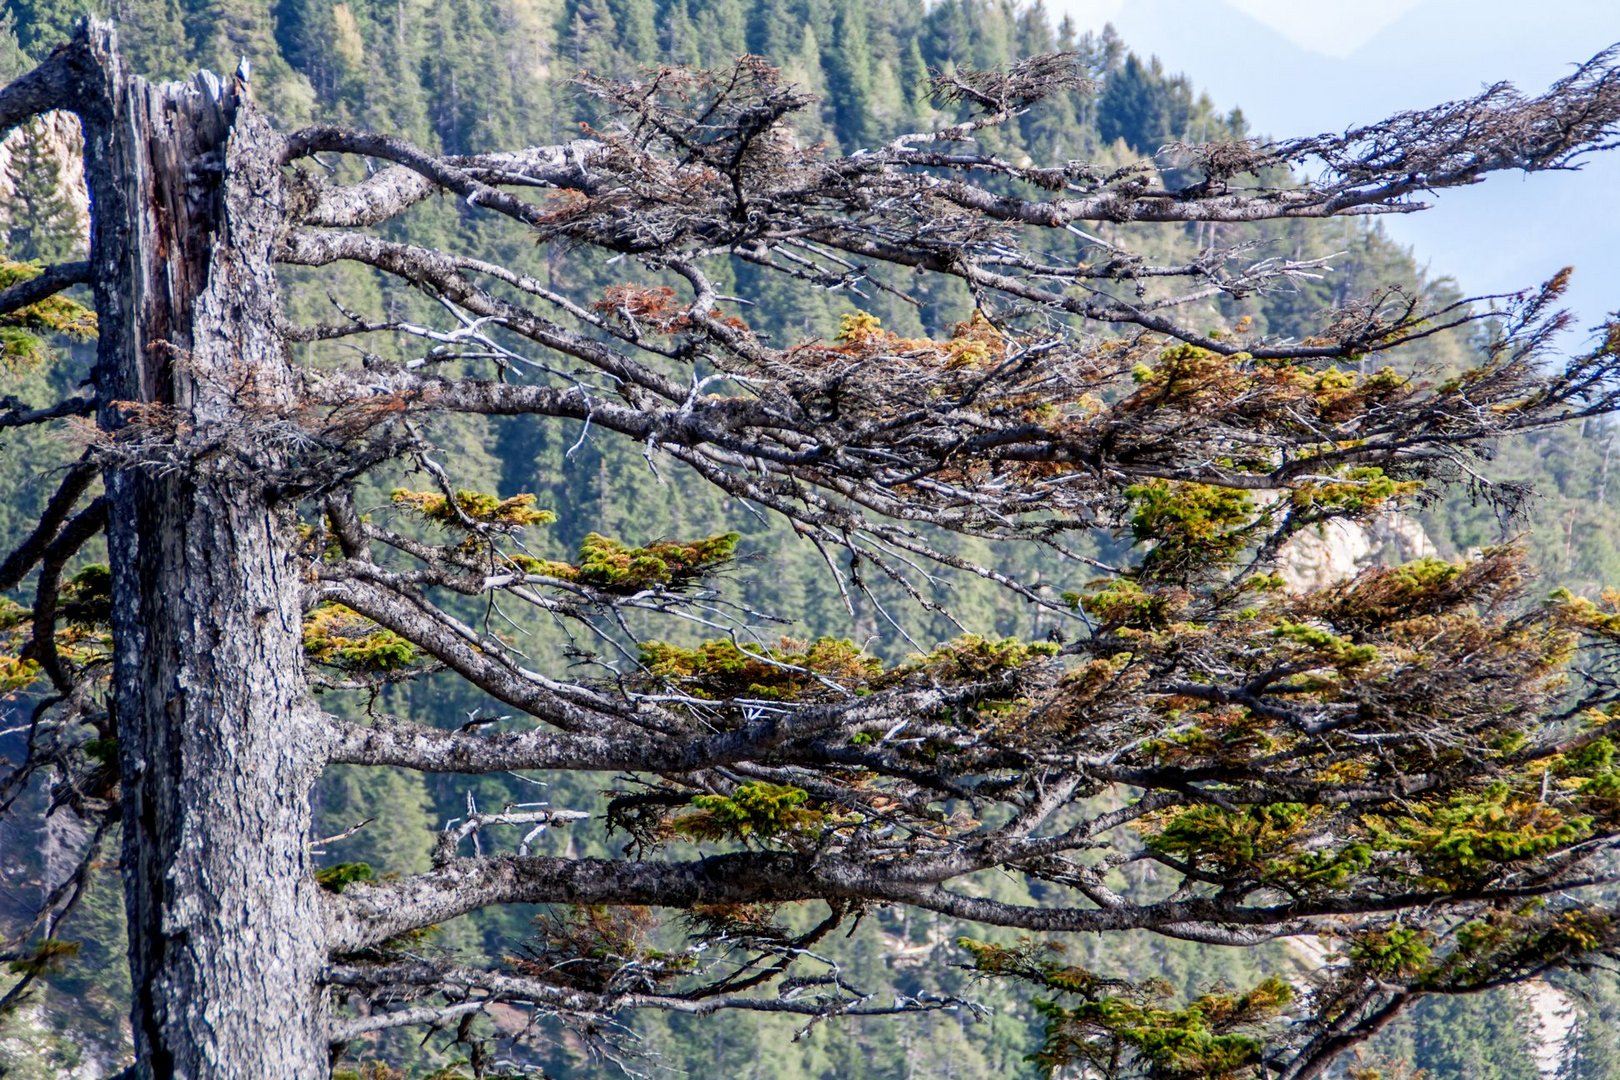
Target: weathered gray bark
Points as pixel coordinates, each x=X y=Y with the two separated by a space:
x=195 y=402
x=219 y=750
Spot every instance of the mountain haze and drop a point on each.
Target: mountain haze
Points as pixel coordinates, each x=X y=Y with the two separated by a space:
x=474 y=74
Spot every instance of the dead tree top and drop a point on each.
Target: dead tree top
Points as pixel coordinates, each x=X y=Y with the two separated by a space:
x=1289 y=764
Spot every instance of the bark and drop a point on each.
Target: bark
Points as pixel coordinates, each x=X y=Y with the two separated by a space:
x=814 y=733
x=219 y=750
x=202 y=434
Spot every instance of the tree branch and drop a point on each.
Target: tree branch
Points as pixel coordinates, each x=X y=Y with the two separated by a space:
x=778 y=735
x=368 y=913
x=27 y=554
x=503 y=987
x=51 y=85
x=388 y=192
x=20 y=416
x=42 y=286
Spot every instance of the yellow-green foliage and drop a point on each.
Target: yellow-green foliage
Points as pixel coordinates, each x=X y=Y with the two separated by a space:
x=1185 y=371
x=857 y=326
x=87 y=597
x=515 y=512
x=753 y=811
x=1533 y=931
x=1469 y=836
x=972 y=658
x=1589 y=772
x=972 y=343
x=16 y=673
x=376 y=1070
x=22 y=332
x=337 y=877
x=611 y=566
x=48 y=955
x=1413 y=608
x=1189 y=375
x=84 y=616
x=1596 y=756
x=1261 y=842
x=1191 y=526
x=719 y=669
x=1600 y=617
x=1396 y=952
x=83 y=632
x=1335 y=650
x=1404 y=591
x=331 y=549
x=1358 y=491
x=1122 y=602
x=1180 y=1044
x=342 y=638
x=12 y=614
x=1227 y=733
x=1216 y=1036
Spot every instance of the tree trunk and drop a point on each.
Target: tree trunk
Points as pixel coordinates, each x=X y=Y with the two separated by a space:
x=218 y=745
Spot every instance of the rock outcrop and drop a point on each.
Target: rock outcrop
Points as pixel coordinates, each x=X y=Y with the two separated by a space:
x=1336 y=552
x=58 y=139
x=1339 y=550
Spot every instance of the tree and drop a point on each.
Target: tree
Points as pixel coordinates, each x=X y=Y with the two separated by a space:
x=849 y=73
x=1417 y=764
x=43 y=225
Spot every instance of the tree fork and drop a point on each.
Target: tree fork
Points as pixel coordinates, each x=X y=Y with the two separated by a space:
x=219 y=749
x=805 y=792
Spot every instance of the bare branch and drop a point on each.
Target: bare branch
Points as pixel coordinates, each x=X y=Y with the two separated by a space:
x=61 y=504
x=51 y=85
x=18 y=415
x=42 y=286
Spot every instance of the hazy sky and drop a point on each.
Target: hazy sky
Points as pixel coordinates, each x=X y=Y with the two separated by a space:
x=1332 y=29
x=1302 y=66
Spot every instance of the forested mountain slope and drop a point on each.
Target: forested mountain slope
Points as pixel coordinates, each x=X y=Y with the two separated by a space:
x=474 y=74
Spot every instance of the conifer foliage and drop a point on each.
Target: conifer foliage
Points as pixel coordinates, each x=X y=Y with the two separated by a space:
x=1417 y=766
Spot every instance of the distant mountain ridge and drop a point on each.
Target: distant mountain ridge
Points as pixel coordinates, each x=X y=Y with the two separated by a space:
x=1494 y=238
x=475 y=73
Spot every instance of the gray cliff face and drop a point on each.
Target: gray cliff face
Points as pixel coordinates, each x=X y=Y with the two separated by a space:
x=61 y=141
x=1340 y=550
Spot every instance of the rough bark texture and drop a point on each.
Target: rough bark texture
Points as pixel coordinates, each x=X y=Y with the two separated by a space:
x=1205 y=707
x=218 y=749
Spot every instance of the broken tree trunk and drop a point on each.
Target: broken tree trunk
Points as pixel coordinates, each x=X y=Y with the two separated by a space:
x=219 y=749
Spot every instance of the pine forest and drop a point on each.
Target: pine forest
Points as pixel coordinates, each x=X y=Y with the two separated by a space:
x=460 y=77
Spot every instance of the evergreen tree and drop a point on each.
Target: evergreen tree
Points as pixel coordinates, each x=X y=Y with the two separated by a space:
x=677 y=35
x=43 y=225
x=382 y=65
x=592 y=37
x=849 y=76
x=1133 y=108
x=1482 y=1038
x=41 y=24
x=773 y=29
x=154 y=31
x=637 y=21
x=914 y=81
x=13 y=60
x=222 y=32
x=722 y=31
